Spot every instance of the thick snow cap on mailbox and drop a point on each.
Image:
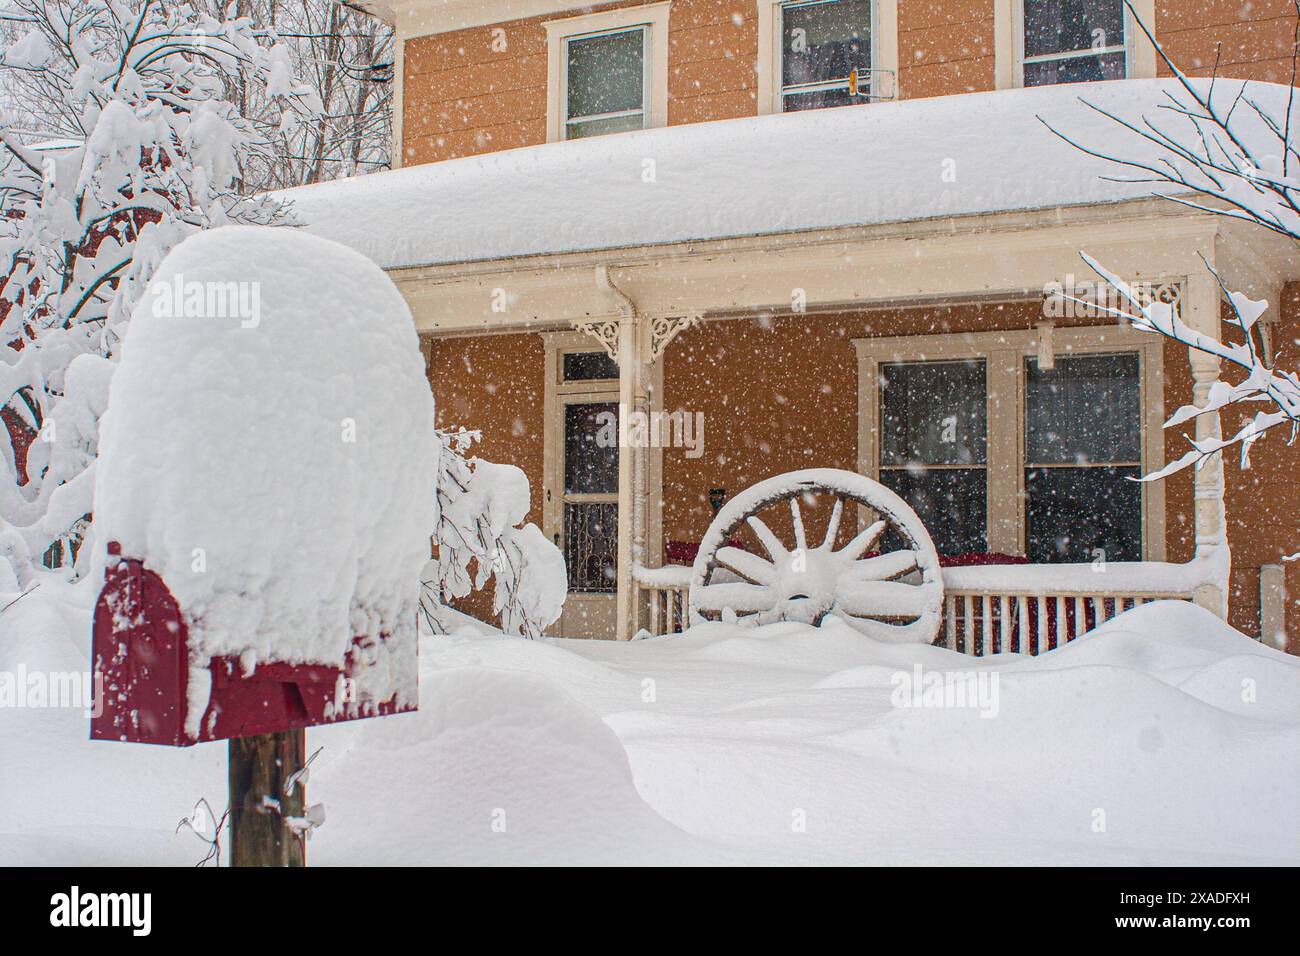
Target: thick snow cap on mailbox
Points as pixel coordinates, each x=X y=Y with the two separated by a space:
x=268 y=447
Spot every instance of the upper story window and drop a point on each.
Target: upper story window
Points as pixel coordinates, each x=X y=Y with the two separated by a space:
x=606 y=82
x=824 y=43
x=1073 y=41
x=607 y=72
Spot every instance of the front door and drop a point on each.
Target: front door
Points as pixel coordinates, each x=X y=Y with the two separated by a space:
x=588 y=515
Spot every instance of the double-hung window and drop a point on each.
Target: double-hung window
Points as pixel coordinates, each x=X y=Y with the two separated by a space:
x=1082 y=456
x=1073 y=41
x=606 y=82
x=824 y=45
x=998 y=450
x=934 y=447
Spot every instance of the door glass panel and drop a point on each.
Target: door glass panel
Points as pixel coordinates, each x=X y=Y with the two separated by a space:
x=591 y=448
x=591 y=546
x=589 y=366
x=1083 y=440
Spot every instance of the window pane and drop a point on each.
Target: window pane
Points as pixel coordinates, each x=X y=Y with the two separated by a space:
x=581 y=129
x=1072 y=512
x=817 y=99
x=1083 y=69
x=952 y=503
x=933 y=413
x=605 y=73
x=1086 y=410
x=1062 y=26
x=824 y=41
x=591 y=546
x=589 y=366
x=591 y=448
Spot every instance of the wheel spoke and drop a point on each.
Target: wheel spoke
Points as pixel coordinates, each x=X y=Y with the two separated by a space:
x=775 y=549
x=737 y=595
x=863 y=541
x=883 y=567
x=800 y=541
x=751 y=567
x=880 y=598
x=833 y=526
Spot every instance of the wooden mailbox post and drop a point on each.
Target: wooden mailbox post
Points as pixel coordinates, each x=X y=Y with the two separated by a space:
x=141 y=651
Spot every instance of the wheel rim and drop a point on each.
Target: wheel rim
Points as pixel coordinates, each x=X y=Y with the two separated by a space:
x=894 y=595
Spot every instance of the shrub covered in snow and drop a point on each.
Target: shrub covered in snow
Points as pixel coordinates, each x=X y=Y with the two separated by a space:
x=482 y=507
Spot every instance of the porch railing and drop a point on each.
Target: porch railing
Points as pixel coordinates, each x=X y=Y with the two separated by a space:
x=666 y=590
x=991 y=609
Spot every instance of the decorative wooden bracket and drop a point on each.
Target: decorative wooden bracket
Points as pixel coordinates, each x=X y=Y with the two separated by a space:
x=663 y=329
x=604 y=331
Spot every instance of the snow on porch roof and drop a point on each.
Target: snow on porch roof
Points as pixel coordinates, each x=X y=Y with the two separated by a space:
x=879 y=163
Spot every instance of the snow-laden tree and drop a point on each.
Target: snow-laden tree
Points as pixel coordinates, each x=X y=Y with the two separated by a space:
x=346 y=57
x=480 y=536
x=149 y=150
x=1224 y=147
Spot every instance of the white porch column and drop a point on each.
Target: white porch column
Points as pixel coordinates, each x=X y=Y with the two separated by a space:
x=633 y=353
x=1200 y=310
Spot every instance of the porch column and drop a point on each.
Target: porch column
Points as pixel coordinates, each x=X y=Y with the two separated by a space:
x=633 y=353
x=1199 y=306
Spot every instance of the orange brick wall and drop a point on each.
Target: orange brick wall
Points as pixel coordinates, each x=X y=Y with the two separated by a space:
x=1252 y=39
x=945 y=47
x=494 y=384
x=463 y=98
x=1263 y=501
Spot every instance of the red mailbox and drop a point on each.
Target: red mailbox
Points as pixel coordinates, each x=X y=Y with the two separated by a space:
x=141 y=651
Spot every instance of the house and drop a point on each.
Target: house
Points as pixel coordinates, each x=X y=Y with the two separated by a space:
x=832 y=233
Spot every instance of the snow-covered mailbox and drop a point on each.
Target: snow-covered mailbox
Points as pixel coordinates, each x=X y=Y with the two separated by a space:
x=265 y=495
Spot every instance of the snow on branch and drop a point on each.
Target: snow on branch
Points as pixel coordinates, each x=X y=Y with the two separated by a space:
x=1279 y=389
x=1224 y=146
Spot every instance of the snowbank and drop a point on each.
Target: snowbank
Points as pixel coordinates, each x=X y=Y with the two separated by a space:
x=271 y=454
x=883 y=162
x=1165 y=737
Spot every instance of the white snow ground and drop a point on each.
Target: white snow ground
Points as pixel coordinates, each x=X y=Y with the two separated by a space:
x=1183 y=733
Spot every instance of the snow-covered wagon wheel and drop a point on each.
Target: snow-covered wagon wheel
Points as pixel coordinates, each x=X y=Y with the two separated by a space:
x=894 y=595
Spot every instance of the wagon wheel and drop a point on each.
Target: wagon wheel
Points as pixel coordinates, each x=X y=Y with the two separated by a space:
x=892 y=595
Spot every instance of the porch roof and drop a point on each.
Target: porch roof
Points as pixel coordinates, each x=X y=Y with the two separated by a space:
x=889 y=162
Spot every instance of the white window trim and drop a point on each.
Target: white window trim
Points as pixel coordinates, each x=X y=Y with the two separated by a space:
x=653 y=16
x=1009 y=42
x=884 y=50
x=1004 y=353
